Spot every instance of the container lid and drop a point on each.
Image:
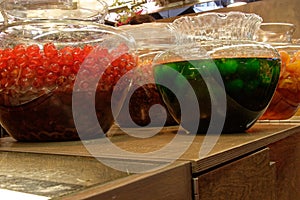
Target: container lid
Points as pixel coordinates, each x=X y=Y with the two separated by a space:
x=95 y=10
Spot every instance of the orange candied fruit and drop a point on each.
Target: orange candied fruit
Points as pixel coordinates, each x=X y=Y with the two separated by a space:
x=289 y=83
x=285 y=57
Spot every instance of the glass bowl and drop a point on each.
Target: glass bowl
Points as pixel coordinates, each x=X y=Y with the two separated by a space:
x=232 y=77
x=151 y=39
x=88 y=10
x=40 y=62
x=276 y=33
x=286 y=100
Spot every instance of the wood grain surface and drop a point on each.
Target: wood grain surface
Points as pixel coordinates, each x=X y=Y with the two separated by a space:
x=286 y=155
x=226 y=148
x=171 y=183
x=248 y=178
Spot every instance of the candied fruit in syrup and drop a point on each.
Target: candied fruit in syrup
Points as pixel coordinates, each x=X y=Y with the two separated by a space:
x=285 y=102
x=37 y=83
x=143 y=98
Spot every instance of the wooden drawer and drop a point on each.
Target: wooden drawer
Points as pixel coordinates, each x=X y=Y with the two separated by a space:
x=286 y=154
x=250 y=177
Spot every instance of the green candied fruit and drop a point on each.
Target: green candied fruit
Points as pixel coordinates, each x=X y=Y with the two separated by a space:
x=206 y=68
x=173 y=66
x=249 y=67
x=188 y=71
x=268 y=70
x=163 y=73
x=251 y=86
x=234 y=86
x=160 y=72
x=253 y=66
x=227 y=66
x=179 y=83
x=266 y=80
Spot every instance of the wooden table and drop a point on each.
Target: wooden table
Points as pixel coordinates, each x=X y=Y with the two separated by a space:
x=262 y=163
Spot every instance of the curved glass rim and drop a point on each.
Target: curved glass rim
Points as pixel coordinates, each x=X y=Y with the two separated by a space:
x=88 y=26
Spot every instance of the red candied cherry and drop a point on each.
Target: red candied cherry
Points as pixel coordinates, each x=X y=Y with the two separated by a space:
x=33 y=51
x=38 y=82
x=130 y=66
x=35 y=62
x=3 y=82
x=87 y=49
x=101 y=52
x=50 y=50
x=121 y=49
x=77 y=54
x=66 y=70
x=76 y=67
x=61 y=80
x=11 y=63
x=51 y=78
x=20 y=50
x=54 y=67
x=66 y=50
x=14 y=73
x=3 y=64
x=110 y=79
x=24 y=83
x=28 y=73
x=67 y=58
x=7 y=54
x=41 y=70
x=115 y=63
x=4 y=73
x=22 y=60
x=47 y=63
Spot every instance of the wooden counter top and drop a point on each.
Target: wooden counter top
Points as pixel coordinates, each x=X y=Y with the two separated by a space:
x=68 y=170
x=227 y=147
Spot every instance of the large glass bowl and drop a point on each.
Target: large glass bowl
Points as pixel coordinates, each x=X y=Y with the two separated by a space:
x=40 y=63
x=213 y=45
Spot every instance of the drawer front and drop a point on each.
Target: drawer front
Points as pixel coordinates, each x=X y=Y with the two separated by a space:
x=250 y=177
x=286 y=154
